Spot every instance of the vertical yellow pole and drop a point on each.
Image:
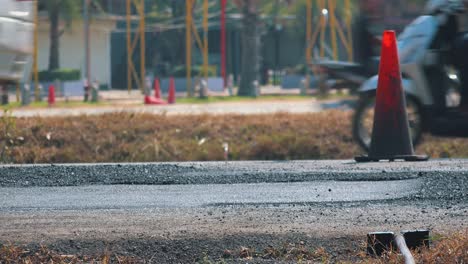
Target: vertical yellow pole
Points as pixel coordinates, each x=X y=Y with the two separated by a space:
x=142 y=47
x=349 y=29
x=331 y=5
x=309 y=31
x=205 y=38
x=323 y=26
x=188 y=44
x=35 y=52
x=308 y=44
x=129 y=49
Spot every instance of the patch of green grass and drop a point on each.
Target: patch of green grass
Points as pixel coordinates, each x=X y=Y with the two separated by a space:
x=221 y=99
x=181 y=100
x=59 y=104
x=282 y=97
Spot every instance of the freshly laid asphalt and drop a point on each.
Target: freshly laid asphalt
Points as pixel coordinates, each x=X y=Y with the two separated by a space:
x=439 y=178
x=177 y=212
x=181 y=196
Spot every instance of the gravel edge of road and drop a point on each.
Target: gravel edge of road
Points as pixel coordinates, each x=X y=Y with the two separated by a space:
x=45 y=175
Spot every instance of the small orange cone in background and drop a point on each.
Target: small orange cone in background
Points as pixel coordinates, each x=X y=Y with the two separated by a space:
x=171 y=97
x=149 y=100
x=157 y=89
x=51 y=97
x=391 y=138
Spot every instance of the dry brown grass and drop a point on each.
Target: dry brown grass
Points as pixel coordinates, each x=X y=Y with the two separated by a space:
x=444 y=249
x=18 y=255
x=123 y=137
x=288 y=252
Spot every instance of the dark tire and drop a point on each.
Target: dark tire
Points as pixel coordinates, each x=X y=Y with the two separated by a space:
x=363 y=120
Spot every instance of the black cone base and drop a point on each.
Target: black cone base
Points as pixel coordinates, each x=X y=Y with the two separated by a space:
x=414 y=158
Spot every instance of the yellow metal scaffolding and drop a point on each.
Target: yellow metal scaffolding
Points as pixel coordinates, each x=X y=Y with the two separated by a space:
x=132 y=74
x=191 y=30
x=328 y=21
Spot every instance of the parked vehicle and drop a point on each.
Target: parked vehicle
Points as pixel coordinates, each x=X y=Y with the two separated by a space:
x=341 y=74
x=429 y=81
x=16 y=42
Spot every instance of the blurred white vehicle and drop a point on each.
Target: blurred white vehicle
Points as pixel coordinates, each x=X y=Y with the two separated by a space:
x=16 y=39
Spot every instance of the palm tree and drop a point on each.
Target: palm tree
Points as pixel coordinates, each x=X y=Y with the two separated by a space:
x=58 y=10
x=250 y=57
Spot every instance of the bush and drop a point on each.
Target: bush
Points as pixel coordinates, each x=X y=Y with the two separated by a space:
x=60 y=74
x=300 y=69
x=196 y=70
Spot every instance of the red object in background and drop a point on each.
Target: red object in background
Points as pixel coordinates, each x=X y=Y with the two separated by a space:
x=149 y=100
x=171 y=97
x=157 y=89
x=51 y=97
x=223 y=42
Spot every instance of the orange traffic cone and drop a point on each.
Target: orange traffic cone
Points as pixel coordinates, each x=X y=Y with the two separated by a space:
x=149 y=100
x=171 y=97
x=51 y=97
x=157 y=88
x=391 y=138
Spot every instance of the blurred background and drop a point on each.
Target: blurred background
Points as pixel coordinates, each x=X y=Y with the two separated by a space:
x=259 y=59
x=125 y=44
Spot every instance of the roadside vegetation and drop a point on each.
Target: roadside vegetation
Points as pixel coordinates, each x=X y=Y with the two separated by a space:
x=452 y=249
x=21 y=255
x=183 y=100
x=444 y=249
x=126 y=137
x=58 y=104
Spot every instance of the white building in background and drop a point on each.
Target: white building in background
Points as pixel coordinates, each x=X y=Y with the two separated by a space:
x=72 y=46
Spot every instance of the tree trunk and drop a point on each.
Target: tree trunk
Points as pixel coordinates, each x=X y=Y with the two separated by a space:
x=250 y=57
x=54 y=38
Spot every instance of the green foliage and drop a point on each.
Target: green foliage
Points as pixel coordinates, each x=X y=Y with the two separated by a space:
x=196 y=70
x=68 y=9
x=60 y=74
x=300 y=69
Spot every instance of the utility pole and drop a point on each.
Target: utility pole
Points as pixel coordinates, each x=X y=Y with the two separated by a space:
x=205 y=39
x=223 y=42
x=35 y=64
x=142 y=31
x=277 y=29
x=128 y=9
x=87 y=49
x=188 y=41
x=308 y=45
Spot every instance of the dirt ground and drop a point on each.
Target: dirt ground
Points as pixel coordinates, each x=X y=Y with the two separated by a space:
x=222 y=233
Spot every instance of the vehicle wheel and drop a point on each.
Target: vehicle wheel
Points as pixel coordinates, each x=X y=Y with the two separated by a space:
x=363 y=120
